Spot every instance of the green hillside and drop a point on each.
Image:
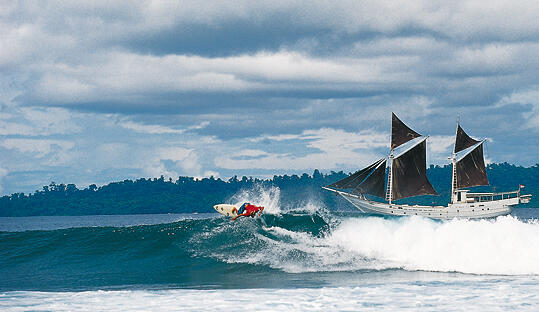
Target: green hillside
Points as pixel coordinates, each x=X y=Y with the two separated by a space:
x=189 y=195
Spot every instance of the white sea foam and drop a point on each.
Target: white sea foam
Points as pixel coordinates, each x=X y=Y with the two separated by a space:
x=310 y=207
x=270 y=198
x=519 y=294
x=503 y=246
x=267 y=197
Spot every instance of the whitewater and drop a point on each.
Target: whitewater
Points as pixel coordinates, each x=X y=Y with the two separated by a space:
x=306 y=258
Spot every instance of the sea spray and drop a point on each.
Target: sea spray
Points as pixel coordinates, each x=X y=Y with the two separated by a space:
x=504 y=245
x=267 y=197
x=270 y=198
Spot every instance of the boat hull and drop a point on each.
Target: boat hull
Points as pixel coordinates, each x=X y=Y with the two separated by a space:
x=465 y=210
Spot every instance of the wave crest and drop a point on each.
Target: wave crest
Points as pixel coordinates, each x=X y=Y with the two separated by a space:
x=505 y=245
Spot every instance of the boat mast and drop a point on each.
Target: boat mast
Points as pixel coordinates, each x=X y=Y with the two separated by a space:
x=410 y=176
x=389 y=190
x=454 y=167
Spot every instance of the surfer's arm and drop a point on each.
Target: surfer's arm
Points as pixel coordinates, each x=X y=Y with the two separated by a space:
x=260 y=212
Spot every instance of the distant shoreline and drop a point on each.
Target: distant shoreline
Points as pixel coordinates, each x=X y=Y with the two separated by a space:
x=188 y=195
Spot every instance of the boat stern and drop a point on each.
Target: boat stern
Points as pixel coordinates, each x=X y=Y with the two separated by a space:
x=524 y=199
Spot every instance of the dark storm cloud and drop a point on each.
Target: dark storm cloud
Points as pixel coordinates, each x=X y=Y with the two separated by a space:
x=230 y=38
x=270 y=34
x=441 y=51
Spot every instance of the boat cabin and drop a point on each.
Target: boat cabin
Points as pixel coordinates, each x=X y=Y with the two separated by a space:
x=463 y=196
x=460 y=196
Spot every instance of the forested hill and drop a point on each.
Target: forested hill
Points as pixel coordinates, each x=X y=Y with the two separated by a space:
x=186 y=194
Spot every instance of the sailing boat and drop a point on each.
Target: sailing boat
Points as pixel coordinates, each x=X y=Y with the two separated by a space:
x=407 y=177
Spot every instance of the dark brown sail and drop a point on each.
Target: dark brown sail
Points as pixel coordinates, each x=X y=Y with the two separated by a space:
x=463 y=141
x=400 y=133
x=356 y=178
x=409 y=173
x=471 y=169
x=374 y=184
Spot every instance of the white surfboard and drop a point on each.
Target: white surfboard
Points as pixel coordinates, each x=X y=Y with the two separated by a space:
x=226 y=209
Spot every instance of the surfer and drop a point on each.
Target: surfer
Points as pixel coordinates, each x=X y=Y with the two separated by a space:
x=248 y=210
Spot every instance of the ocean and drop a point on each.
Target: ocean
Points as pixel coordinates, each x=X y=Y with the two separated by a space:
x=307 y=258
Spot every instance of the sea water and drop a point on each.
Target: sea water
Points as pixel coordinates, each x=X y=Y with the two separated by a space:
x=307 y=258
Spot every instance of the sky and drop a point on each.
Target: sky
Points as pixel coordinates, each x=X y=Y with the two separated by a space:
x=102 y=91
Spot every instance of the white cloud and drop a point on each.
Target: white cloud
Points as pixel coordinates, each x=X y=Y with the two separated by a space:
x=201 y=125
x=336 y=149
x=458 y=19
x=74 y=62
x=249 y=153
x=117 y=75
x=210 y=173
x=110 y=155
x=158 y=129
x=157 y=169
x=151 y=129
x=337 y=64
x=39 y=122
x=3 y=173
x=10 y=128
x=441 y=143
x=174 y=153
x=186 y=162
x=52 y=152
x=530 y=97
x=40 y=147
x=339 y=141
x=280 y=137
x=439 y=148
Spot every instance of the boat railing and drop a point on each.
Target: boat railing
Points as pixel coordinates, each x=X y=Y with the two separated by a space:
x=486 y=197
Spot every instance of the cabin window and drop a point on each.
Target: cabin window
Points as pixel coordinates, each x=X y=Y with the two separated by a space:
x=459 y=196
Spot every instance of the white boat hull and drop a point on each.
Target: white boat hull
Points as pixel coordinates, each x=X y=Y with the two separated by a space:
x=477 y=210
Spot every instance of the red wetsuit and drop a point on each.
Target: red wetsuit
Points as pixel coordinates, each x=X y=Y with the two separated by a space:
x=250 y=209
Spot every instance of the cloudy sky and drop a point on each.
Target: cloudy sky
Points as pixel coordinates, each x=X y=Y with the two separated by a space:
x=108 y=90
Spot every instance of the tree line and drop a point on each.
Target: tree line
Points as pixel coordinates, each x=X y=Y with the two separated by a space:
x=187 y=194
